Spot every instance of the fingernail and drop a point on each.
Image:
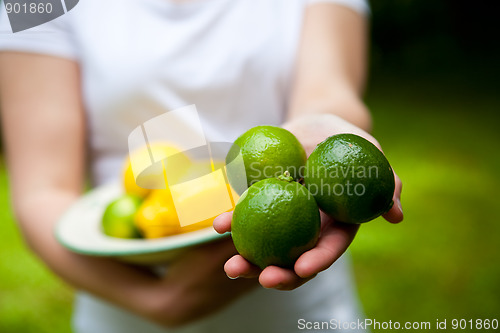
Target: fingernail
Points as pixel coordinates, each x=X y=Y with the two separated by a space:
x=275 y=287
x=399 y=205
x=232 y=278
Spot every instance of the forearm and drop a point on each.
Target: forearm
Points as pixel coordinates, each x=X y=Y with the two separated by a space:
x=331 y=66
x=118 y=283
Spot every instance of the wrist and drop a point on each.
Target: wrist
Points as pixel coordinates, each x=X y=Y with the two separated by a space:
x=169 y=304
x=312 y=128
x=346 y=105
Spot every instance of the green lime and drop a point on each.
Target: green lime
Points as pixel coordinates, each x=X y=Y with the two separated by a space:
x=267 y=152
x=350 y=178
x=118 y=218
x=274 y=222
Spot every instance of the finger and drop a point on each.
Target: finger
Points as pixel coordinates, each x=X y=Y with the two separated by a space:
x=280 y=278
x=334 y=240
x=237 y=267
x=222 y=223
x=395 y=214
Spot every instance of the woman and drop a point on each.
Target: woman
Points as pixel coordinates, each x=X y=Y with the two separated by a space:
x=74 y=88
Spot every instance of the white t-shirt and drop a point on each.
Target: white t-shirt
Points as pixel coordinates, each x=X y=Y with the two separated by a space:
x=234 y=59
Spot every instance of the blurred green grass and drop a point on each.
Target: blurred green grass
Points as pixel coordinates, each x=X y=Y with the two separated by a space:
x=32 y=300
x=441 y=263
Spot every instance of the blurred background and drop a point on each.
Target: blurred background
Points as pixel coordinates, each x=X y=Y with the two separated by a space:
x=434 y=94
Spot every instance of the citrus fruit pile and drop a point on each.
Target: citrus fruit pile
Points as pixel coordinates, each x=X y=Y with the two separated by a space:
x=149 y=213
x=277 y=217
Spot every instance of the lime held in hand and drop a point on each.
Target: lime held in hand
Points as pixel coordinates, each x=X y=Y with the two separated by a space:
x=118 y=218
x=267 y=151
x=274 y=222
x=350 y=179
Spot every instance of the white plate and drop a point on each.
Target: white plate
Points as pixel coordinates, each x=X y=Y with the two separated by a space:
x=79 y=230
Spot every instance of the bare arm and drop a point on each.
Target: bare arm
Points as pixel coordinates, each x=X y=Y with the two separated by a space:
x=331 y=66
x=44 y=129
x=326 y=100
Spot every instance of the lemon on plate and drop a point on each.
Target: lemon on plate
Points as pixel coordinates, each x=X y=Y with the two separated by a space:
x=140 y=164
x=157 y=217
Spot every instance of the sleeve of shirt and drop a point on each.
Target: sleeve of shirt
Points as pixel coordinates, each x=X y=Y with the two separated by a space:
x=51 y=38
x=360 y=6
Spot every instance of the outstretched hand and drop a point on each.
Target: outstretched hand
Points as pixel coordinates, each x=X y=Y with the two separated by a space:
x=335 y=237
x=334 y=240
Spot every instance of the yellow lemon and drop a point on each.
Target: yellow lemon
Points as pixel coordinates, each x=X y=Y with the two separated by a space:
x=153 y=176
x=208 y=222
x=129 y=184
x=157 y=217
x=205 y=195
x=194 y=200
